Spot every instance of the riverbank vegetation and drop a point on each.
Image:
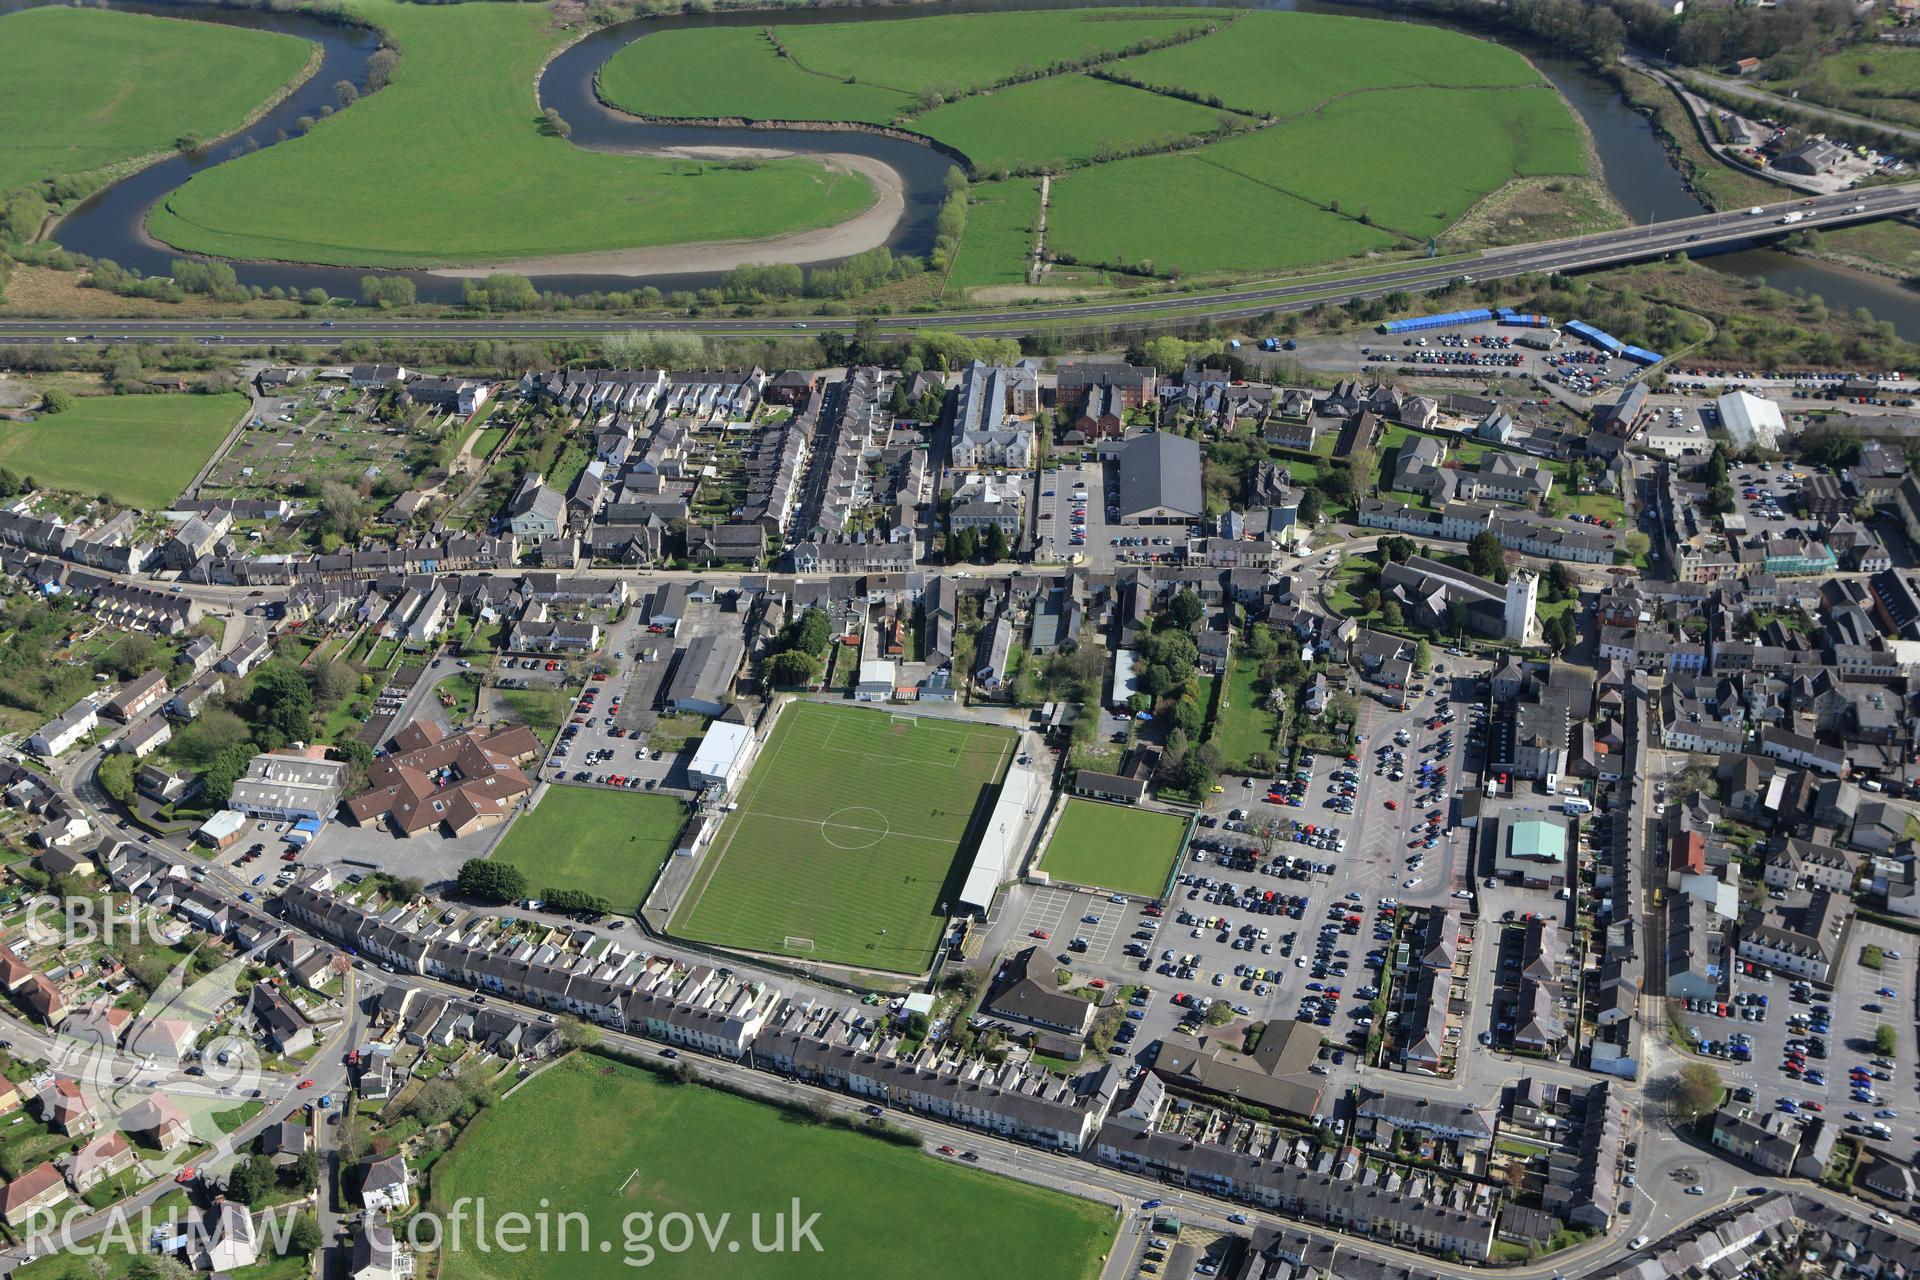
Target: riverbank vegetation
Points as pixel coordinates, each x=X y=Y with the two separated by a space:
x=404 y=178
x=85 y=92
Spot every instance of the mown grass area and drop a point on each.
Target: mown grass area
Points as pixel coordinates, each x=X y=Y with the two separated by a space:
x=999 y=238
x=692 y=1149
x=83 y=89
x=1083 y=118
x=1881 y=81
x=370 y=185
x=541 y=710
x=459 y=696
x=142 y=450
x=852 y=830
x=1243 y=726
x=1115 y=847
x=593 y=838
x=1281 y=64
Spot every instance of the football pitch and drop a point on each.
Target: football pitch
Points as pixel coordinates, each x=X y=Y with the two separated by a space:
x=1114 y=847
x=853 y=828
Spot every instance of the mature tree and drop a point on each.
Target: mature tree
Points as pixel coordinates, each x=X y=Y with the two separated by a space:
x=1697 y=1092
x=1190 y=717
x=305 y=1237
x=1636 y=544
x=492 y=881
x=999 y=547
x=577 y=1033
x=1486 y=557
x=1390 y=615
x=962 y=545
x=436 y=1103
x=1885 y=1040
x=1259 y=644
x=56 y=400
x=793 y=667
x=116 y=777
x=1558 y=632
x=332 y=683
x=199 y=743
x=1560 y=583
x=158 y=1266
x=342 y=511
x=386 y=292
x=281 y=703
x=1422 y=655
x=1311 y=505
x=809 y=633
x=250 y=1180
x=1185 y=608
x=575 y=902
x=128 y=656
x=228 y=767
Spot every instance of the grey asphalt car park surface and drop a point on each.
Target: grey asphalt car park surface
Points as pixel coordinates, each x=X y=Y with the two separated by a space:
x=1053 y=518
x=1849 y=1041
x=1761 y=524
x=1372 y=866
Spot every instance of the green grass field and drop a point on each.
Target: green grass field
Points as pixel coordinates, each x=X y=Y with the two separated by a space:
x=1114 y=847
x=603 y=841
x=952 y=52
x=852 y=829
x=1383 y=134
x=140 y=449
x=1282 y=64
x=1877 y=80
x=1084 y=118
x=693 y=1150
x=1244 y=725
x=699 y=72
x=1187 y=214
x=81 y=89
x=373 y=185
x=872 y=70
x=999 y=236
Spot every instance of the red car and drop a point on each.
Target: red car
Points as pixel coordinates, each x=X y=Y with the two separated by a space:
x=186 y=1175
x=1154 y=911
x=948 y=1151
x=1041 y=934
x=305 y=1084
x=1393 y=804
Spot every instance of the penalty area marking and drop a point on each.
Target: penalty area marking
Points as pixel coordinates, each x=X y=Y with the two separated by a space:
x=792 y=943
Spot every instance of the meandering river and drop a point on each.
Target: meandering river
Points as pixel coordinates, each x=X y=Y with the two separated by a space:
x=111 y=224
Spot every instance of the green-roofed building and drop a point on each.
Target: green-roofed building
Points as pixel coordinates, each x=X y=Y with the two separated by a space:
x=1532 y=851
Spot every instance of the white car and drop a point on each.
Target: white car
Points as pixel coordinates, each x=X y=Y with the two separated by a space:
x=1462 y=893
x=1638 y=1242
